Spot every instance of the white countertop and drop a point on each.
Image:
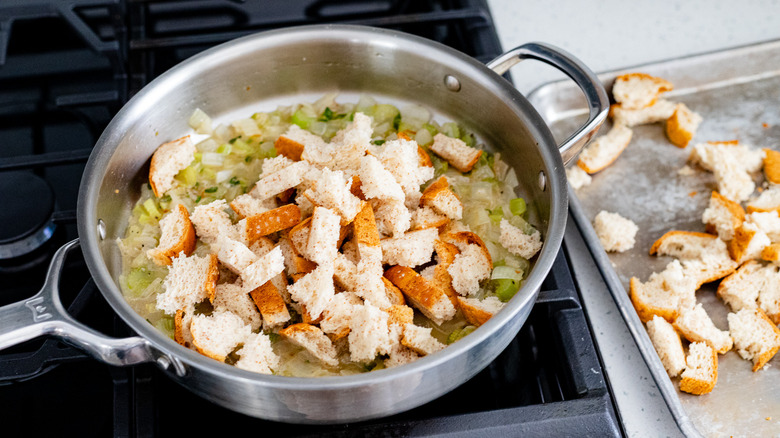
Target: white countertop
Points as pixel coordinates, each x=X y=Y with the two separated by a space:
x=609 y=35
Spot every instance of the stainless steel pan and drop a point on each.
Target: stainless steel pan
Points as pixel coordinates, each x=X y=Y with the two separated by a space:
x=243 y=76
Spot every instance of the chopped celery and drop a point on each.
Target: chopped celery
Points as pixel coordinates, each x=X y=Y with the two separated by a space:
x=506 y=272
x=397 y=121
x=151 y=209
x=378 y=142
x=451 y=129
x=274 y=337
x=139 y=279
x=166 y=325
x=430 y=128
x=517 y=206
x=211 y=189
x=506 y=288
x=225 y=149
x=385 y=113
x=326 y=115
x=234 y=181
x=302 y=119
x=139 y=210
x=267 y=150
x=146 y=219
x=188 y=175
x=496 y=215
x=458 y=334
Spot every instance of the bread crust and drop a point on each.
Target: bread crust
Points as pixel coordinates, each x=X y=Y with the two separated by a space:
x=441 y=276
x=467 y=237
x=646 y=311
x=678 y=135
x=424 y=160
x=364 y=227
x=591 y=170
x=669 y=234
x=474 y=315
x=270 y=304
x=771 y=253
x=699 y=387
x=178 y=329
x=289 y=148
x=212 y=277
x=772 y=165
x=185 y=243
x=760 y=361
x=156 y=163
x=739 y=244
x=356 y=188
x=418 y=291
x=272 y=221
x=394 y=295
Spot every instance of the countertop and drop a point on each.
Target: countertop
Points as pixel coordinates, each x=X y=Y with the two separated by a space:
x=608 y=35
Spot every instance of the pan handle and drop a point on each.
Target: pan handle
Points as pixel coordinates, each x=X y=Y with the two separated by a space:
x=44 y=314
x=598 y=102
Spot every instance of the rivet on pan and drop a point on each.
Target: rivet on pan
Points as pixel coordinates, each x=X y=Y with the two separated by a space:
x=101 y=229
x=163 y=362
x=542 y=181
x=452 y=83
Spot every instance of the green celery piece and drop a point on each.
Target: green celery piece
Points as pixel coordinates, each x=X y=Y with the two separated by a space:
x=506 y=288
x=301 y=119
x=151 y=209
x=139 y=279
x=460 y=333
x=517 y=206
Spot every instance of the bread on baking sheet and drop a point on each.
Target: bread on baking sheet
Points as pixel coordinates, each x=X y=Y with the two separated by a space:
x=740 y=289
x=455 y=152
x=768 y=200
x=769 y=295
x=664 y=293
x=772 y=165
x=178 y=235
x=168 y=160
x=638 y=90
x=313 y=340
x=605 y=149
x=723 y=216
x=577 y=177
x=755 y=336
x=767 y=222
x=748 y=243
x=733 y=165
x=615 y=232
x=701 y=369
x=705 y=258
x=657 y=112
x=682 y=125
x=695 y=324
x=190 y=280
x=667 y=344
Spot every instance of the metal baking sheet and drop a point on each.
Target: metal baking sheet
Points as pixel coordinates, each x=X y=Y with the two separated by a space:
x=737 y=92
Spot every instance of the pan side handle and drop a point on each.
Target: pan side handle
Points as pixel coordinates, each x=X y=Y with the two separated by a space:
x=44 y=314
x=595 y=94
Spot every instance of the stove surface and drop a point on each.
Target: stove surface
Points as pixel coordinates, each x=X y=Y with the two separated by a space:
x=55 y=100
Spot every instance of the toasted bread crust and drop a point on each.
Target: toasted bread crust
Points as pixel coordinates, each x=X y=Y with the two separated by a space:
x=289 y=148
x=185 y=243
x=678 y=135
x=433 y=189
x=739 y=244
x=771 y=253
x=356 y=188
x=441 y=276
x=424 y=158
x=760 y=361
x=736 y=210
x=400 y=314
x=646 y=311
x=272 y=221
x=474 y=315
x=669 y=234
x=772 y=165
x=178 y=328
x=212 y=277
x=595 y=169
x=467 y=237
x=306 y=317
x=699 y=387
x=394 y=295
x=270 y=303
x=418 y=291
x=300 y=227
x=366 y=232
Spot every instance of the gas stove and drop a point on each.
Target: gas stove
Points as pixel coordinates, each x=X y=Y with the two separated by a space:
x=66 y=67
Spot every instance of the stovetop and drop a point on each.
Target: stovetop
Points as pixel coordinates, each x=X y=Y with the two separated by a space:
x=57 y=93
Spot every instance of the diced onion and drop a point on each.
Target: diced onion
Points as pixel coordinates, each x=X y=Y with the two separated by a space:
x=318 y=127
x=208 y=145
x=247 y=127
x=511 y=179
x=415 y=115
x=200 y=122
x=223 y=175
x=212 y=159
x=423 y=137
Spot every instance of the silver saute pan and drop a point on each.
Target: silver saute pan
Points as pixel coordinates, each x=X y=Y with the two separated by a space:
x=245 y=75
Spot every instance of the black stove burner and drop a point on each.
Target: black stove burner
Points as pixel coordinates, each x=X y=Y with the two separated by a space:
x=27 y=205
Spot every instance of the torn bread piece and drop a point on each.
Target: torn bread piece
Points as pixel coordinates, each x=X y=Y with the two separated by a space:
x=181 y=326
x=422 y=294
x=455 y=152
x=740 y=289
x=605 y=149
x=368 y=333
x=695 y=324
x=470 y=266
x=682 y=125
x=667 y=344
x=313 y=340
x=766 y=221
x=577 y=177
x=331 y=191
x=263 y=269
x=211 y=221
x=755 y=336
x=234 y=255
x=478 y=312
x=657 y=112
x=615 y=232
x=369 y=277
x=772 y=166
x=190 y=280
x=178 y=235
x=235 y=299
x=732 y=164
x=771 y=253
x=723 y=216
x=425 y=217
x=445 y=256
x=441 y=199
x=517 y=242
x=401 y=159
x=218 y=334
x=419 y=340
x=377 y=182
x=768 y=200
x=394 y=295
x=257 y=355
x=271 y=304
x=664 y=294
x=168 y=160
x=748 y=243
x=701 y=370
x=345 y=273
x=412 y=249
x=352 y=143
x=769 y=295
x=638 y=90
x=314 y=290
x=287 y=147
x=338 y=315
x=299 y=237
x=247 y=205
x=321 y=245
x=392 y=218
x=272 y=184
x=705 y=257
